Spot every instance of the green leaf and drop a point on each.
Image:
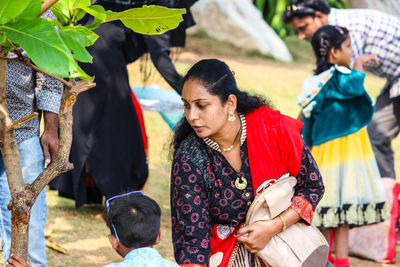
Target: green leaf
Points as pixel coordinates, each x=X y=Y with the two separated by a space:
x=149 y=19
x=78 y=15
x=96 y=23
x=81 y=3
x=90 y=37
x=2 y=39
x=96 y=11
x=61 y=10
x=39 y=39
x=75 y=40
x=31 y=11
x=10 y=9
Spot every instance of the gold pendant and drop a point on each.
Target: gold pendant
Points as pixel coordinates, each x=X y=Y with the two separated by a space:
x=241 y=183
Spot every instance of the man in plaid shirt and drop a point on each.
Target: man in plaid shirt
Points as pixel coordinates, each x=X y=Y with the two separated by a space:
x=26 y=92
x=371 y=32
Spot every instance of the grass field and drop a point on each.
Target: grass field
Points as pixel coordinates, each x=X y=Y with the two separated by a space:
x=83 y=233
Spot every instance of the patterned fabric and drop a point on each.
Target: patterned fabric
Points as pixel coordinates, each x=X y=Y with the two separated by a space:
x=310 y=90
x=144 y=257
x=354 y=192
x=28 y=91
x=194 y=211
x=373 y=32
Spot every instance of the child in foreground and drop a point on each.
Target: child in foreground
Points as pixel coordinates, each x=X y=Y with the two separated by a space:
x=134 y=223
x=336 y=109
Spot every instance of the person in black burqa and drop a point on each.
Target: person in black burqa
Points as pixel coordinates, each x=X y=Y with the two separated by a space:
x=108 y=150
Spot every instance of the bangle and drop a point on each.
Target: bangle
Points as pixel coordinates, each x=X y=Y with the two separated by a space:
x=283 y=223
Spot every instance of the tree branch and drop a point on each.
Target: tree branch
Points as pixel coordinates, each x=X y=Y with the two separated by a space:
x=46 y=5
x=24 y=120
x=61 y=162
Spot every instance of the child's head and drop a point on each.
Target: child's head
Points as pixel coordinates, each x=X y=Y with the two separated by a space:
x=133 y=219
x=331 y=45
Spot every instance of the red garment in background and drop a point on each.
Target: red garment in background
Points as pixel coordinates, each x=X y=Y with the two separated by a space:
x=141 y=121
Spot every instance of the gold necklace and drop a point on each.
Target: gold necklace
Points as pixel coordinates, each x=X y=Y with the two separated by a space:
x=234 y=140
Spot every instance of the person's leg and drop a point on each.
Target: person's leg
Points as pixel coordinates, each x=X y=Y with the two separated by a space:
x=327 y=235
x=5 y=215
x=32 y=163
x=383 y=128
x=329 y=239
x=341 y=246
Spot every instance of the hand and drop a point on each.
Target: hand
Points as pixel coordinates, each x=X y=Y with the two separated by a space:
x=49 y=139
x=365 y=60
x=17 y=261
x=256 y=235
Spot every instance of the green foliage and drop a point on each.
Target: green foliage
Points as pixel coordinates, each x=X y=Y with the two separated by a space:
x=272 y=11
x=11 y=8
x=41 y=41
x=77 y=38
x=32 y=10
x=57 y=50
x=149 y=19
x=338 y=3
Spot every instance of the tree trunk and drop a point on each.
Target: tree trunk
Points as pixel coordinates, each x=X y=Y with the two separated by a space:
x=12 y=165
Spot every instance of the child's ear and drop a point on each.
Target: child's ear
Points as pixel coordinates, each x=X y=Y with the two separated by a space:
x=333 y=55
x=158 y=240
x=113 y=241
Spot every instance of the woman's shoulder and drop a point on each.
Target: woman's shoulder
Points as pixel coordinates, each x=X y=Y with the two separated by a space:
x=192 y=148
x=273 y=120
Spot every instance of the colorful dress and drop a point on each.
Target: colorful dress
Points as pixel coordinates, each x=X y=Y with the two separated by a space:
x=207 y=207
x=336 y=109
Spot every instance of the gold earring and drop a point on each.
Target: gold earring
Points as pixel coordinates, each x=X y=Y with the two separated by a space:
x=231 y=116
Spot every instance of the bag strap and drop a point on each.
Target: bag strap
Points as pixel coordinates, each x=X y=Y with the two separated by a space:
x=269 y=182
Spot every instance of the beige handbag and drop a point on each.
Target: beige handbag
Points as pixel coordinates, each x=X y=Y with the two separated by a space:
x=300 y=244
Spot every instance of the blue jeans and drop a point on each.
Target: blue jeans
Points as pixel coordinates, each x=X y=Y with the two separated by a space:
x=32 y=163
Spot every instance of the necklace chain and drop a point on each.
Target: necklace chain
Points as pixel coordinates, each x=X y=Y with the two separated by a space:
x=234 y=140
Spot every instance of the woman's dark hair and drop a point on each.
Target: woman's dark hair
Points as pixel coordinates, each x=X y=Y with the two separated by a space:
x=304 y=8
x=136 y=219
x=218 y=79
x=323 y=40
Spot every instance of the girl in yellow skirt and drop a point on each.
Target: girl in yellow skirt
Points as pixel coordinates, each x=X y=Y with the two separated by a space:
x=336 y=109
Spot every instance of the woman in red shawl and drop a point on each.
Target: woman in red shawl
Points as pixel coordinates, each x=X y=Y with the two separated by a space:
x=225 y=147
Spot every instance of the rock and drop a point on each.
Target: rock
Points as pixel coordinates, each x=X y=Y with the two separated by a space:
x=238 y=22
x=388 y=6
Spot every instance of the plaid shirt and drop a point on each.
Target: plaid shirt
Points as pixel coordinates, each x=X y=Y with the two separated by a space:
x=28 y=91
x=374 y=32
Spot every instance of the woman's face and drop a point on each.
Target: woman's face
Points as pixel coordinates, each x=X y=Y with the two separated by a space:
x=204 y=112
